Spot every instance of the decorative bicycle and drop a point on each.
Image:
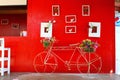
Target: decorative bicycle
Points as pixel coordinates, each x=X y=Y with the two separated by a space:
x=47 y=61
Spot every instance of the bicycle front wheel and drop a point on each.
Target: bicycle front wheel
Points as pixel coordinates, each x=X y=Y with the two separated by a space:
x=45 y=62
x=89 y=63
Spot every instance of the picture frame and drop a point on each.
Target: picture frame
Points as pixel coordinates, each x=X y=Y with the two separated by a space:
x=85 y=10
x=55 y=10
x=94 y=29
x=70 y=29
x=4 y=21
x=46 y=29
x=15 y=26
x=70 y=19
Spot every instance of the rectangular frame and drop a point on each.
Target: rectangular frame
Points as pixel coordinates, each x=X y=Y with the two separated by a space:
x=4 y=21
x=94 y=30
x=85 y=10
x=70 y=29
x=46 y=29
x=70 y=19
x=15 y=26
x=55 y=10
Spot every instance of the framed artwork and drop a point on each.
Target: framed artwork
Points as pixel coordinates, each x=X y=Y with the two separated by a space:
x=15 y=26
x=85 y=10
x=4 y=21
x=94 y=30
x=70 y=18
x=70 y=29
x=55 y=10
x=46 y=29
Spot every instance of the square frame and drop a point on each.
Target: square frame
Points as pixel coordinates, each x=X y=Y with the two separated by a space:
x=85 y=10
x=70 y=19
x=4 y=21
x=70 y=29
x=15 y=26
x=46 y=29
x=55 y=10
x=95 y=29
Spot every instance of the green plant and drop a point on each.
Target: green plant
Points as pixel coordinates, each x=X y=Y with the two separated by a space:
x=88 y=46
x=47 y=42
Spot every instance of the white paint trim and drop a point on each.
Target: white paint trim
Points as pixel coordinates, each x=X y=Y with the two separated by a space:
x=12 y=2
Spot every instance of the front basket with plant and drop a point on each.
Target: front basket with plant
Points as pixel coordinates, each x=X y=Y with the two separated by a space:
x=88 y=46
x=47 y=42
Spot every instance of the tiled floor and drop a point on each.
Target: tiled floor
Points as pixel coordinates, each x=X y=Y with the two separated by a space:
x=59 y=76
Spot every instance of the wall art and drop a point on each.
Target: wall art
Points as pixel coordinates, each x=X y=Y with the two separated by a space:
x=4 y=21
x=85 y=10
x=15 y=26
x=46 y=29
x=70 y=18
x=94 y=29
x=70 y=29
x=55 y=10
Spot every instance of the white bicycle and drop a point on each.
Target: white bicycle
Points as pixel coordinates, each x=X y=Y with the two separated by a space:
x=47 y=61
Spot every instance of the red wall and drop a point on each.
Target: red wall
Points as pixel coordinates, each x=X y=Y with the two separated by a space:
x=8 y=29
x=24 y=49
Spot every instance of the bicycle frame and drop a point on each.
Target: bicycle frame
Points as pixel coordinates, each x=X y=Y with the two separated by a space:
x=68 y=62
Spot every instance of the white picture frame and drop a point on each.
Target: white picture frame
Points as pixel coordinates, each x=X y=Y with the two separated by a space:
x=85 y=10
x=94 y=29
x=46 y=29
x=4 y=21
x=15 y=26
x=55 y=10
x=70 y=19
x=70 y=29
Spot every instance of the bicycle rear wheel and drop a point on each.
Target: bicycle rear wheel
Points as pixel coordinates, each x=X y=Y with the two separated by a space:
x=45 y=63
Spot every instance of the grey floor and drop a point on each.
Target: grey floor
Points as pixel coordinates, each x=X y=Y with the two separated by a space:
x=58 y=76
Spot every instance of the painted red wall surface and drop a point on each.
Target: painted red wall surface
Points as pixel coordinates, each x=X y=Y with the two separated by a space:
x=24 y=49
x=13 y=19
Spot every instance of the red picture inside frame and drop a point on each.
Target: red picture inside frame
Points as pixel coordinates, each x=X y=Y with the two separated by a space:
x=85 y=10
x=94 y=29
x=46 y=29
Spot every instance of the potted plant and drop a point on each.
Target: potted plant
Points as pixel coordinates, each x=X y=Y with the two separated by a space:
x=47 y=42
x=88 y=46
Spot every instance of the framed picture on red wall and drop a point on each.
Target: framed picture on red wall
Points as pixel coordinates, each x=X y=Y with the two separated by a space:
x=70 y=29
x=46 y=29
x=94 y=29
x=85 y=10
x=15 y=26
x=4 y=21
x=55 y=10
x=70 y=18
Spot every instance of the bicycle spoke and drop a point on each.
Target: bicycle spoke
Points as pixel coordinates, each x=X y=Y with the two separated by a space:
x=42 y=65
x=92 y=63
